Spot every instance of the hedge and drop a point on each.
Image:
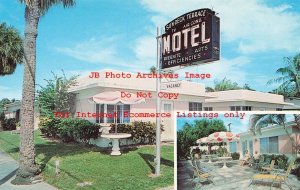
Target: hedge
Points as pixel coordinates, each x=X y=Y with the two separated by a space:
x=70 y=129
x=141 y=132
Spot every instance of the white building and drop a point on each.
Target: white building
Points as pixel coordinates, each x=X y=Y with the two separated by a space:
x=191 y=97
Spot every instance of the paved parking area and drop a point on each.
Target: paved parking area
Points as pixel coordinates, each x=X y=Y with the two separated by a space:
x=234 y=177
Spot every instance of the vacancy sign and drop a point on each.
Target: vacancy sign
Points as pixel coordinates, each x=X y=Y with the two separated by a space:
x=191 y=39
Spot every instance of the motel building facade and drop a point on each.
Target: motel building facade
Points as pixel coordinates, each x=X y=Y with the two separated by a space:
x=191 y=98
x=274 y=139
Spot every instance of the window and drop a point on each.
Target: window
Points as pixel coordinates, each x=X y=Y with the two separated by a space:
x=232 y=147
x=244 y=147
x=195 y=106
x=240 y=108
x=251 y=147
x=208 y=109
x=278 y=109
x=167 y=108
x=109 y=108
x=273 y=145
x=99 y=109
x=269 y=145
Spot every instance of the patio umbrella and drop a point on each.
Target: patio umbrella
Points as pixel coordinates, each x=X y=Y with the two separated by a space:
x=203 y=140
x=223 y=137
x=116 y=98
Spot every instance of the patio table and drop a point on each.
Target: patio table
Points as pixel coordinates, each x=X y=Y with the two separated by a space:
x=209 y=157
x=224 y=160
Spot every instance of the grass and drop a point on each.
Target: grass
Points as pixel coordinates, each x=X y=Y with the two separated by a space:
x=82 y=163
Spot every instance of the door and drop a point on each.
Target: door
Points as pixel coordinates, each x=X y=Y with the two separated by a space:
x=168 y=123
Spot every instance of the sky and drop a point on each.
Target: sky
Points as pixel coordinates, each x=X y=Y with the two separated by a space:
x=116 y=34
x=238 y=124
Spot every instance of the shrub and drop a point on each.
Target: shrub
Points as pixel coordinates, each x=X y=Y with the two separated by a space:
x=77 y=129
x=235 y=156
x=141 y=132
x=281 y=160
x=2 y=116
x=48 y=126
x=69 y=129
x=296 y=171
x=10 y=124
x=221 y=151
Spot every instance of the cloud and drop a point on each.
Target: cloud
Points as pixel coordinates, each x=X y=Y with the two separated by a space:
x=230 y=68
x=104 y=52
x=93 y=50
x=253 y=25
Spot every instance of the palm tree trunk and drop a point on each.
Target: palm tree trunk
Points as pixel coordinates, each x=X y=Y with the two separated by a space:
x=28 y=168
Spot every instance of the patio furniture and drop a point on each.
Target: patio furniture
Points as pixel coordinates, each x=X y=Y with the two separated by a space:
x=115 y=141
x=200 y=174
x=209 y=157
x=265 y=164
x=224 y=161
x=278 y=178
x=260 y=163
x=251 y=162
x=270 y=168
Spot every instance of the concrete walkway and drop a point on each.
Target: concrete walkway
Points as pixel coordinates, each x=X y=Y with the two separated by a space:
x=235 y=177
x=8 y=167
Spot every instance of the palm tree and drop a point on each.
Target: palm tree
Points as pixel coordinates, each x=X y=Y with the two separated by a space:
x=11 y=49
x=290 y=79
x=257 y=122
x=152 y=70
x=224 y=84
x=34 y=9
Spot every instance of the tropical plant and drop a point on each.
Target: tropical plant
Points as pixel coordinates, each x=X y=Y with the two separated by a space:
x=5 y=101
x=34 y=9
x=54 y=97
x=257 y=122
x=2 y=119
x=10 y=124
x=69 y=129
x=226 y=84
x=290 y=79
x=188 y=136
x=141 y=132
x=11 y=49
x=152 y=69
x=235 y=156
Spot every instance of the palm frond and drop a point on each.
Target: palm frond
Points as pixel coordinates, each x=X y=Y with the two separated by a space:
x=44 y=5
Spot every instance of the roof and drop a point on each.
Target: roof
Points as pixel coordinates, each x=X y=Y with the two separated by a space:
x=245 y=95
x=271 y=127
x=139 y=84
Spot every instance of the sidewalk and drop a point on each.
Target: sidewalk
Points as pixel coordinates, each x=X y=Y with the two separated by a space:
x=8 y=167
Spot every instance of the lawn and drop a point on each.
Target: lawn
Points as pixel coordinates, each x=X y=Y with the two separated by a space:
x=82 y=163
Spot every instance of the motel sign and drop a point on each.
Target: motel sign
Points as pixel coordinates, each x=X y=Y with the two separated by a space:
x=192 y=38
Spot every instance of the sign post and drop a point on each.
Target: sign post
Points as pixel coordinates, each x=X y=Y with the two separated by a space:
x=158 y=105
x=190 y=39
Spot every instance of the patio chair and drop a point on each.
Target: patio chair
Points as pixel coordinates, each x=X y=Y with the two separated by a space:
x=263 y=164
x=202 y=176
x=259 y=163
x=251 y=162
x=278 y=178
x=270 y=168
